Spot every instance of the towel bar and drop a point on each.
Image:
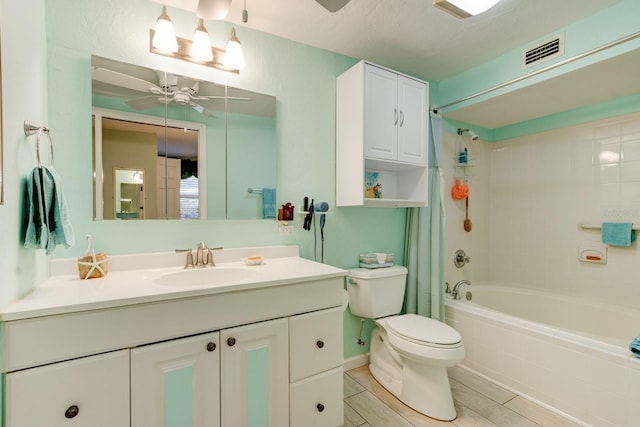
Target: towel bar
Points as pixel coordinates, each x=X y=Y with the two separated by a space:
x=596 y=226
x=254 y=190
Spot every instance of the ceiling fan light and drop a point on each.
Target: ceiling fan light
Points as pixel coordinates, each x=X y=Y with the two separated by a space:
x=164 y=38
x=213 y=9
x=201 y=46
x=234 y=58
x=465 y=8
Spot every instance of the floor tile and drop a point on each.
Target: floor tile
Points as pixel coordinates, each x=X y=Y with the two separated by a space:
x=375 y=412
x=537 y=413
x=351 y=417
x=479 y=384
x=351 y=386
x=488 y=408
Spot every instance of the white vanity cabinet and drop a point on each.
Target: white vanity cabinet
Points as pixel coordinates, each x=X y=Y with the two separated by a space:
x=381 y=131
x=91 y=391
x=242 y=357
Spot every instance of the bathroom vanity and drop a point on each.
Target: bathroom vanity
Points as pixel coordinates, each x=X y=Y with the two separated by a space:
x=155 y=344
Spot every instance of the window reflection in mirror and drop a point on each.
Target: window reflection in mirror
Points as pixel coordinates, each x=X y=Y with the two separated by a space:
x=236 y=127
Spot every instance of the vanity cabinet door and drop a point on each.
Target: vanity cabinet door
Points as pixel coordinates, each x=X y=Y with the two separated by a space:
x=254 y=370
x=176 y=383
x=89 y=392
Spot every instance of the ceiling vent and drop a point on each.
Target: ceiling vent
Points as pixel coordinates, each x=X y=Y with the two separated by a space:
x=547 y=50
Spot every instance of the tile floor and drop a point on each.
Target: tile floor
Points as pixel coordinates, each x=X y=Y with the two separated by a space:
x=479 y=403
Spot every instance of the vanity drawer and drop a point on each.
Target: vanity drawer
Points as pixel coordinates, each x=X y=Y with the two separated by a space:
x=317 y=401
x=315 y=342
x=91 y=391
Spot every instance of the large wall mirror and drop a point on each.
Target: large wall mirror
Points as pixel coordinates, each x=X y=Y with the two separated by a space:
x=168 y=146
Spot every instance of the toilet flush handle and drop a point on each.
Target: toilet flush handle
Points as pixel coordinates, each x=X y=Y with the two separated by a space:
x=352 y=282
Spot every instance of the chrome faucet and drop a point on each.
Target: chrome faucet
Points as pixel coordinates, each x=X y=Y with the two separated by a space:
x=455 y=293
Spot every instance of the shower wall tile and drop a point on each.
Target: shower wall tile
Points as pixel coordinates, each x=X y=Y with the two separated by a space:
x=542 y=186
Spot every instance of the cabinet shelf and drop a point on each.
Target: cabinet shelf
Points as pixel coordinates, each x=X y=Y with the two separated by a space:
x=394 y=203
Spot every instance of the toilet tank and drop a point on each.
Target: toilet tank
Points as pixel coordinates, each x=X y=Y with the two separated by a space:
x=376 y=292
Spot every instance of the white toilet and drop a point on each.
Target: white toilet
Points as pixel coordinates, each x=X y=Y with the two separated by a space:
x=410 y=354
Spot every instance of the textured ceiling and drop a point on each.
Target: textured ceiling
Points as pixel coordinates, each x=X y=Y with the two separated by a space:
x=410 y=36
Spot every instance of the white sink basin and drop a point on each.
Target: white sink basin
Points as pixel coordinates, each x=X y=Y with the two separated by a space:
x=205 y=276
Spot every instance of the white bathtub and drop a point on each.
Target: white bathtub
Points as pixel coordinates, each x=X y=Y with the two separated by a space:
x=565 y=352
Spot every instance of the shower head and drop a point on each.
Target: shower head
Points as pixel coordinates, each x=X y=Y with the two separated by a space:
x=472 y=134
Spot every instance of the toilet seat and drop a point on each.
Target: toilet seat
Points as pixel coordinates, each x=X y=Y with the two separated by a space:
x=423 y=331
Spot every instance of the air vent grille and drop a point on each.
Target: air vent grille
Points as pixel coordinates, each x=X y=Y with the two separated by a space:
x=543 y=52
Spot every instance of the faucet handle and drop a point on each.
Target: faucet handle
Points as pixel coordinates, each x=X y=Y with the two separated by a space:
x=447 y=289
x=189 y=263
x=209 y=261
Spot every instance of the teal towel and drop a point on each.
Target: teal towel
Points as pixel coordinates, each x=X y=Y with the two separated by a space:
x=634 y=346
x=269 y=203
x=48 y=222
x=618 y=233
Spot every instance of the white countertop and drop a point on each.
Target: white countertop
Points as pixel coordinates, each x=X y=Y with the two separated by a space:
x=131 y=280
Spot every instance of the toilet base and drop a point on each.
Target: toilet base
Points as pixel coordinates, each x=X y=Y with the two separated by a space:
x=422 y=387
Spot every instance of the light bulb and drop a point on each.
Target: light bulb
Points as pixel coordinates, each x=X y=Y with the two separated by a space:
x=234 y=57
x=164 y=38
x=201 y=46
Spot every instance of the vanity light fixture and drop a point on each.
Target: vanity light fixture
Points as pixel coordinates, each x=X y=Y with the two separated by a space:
x=198 y=51
x=201 y=46
x=465 y=8
x=235 y=57
x=165 y=36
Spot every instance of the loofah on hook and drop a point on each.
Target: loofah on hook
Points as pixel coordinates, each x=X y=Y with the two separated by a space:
x=459 y=191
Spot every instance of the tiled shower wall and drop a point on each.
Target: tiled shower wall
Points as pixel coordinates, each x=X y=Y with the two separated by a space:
x=528 y=197
x=544 y=185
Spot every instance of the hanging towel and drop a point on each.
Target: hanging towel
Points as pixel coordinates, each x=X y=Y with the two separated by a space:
x=618 y=233
x=269 y=203
x=48 y=222
x=635 y=346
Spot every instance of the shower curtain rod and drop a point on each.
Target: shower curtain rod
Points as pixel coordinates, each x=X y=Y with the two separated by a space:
x=542 y=70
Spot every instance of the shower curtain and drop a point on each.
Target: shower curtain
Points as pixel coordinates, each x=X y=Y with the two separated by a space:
x=424 y=241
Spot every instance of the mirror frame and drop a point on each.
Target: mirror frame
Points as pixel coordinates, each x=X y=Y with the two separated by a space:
x=98 y=172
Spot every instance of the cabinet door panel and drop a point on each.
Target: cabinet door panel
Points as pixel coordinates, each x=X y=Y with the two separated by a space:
x=255 y=375
x=176 y=383
x=91 y=391
x=381 y=114
x=315 y=342
x=412 y=125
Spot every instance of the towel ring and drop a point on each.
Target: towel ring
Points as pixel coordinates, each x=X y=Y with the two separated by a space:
x=40 y=132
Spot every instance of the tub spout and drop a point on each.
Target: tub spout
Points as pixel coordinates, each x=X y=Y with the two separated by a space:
x=455 y=293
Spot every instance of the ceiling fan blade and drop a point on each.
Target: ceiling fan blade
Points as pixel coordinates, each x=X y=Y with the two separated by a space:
x=122 y=80
x=143 y=103
x=333 y=5
x=200 y=109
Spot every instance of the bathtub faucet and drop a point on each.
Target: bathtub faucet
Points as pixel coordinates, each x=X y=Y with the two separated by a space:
x=455 y=293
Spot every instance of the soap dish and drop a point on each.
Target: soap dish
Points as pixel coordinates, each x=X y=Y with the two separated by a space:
x=253 y=260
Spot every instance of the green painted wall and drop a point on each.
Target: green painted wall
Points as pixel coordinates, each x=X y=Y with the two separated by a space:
x=301 y=77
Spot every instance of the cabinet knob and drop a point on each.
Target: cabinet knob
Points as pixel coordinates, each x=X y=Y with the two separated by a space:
x=231 y=341
x=72 y=411
x=211 y=346
x=320 y=407
x=320 y=343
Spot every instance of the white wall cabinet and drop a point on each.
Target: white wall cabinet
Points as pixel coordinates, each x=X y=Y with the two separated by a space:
x=381 y=135
x=92 y=391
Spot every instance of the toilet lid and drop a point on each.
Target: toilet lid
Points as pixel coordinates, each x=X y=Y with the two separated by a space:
x=423 y=330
